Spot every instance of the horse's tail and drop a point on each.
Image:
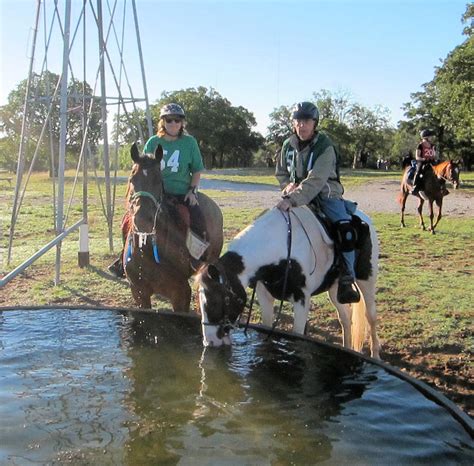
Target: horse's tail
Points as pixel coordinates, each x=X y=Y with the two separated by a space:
x=359 y=324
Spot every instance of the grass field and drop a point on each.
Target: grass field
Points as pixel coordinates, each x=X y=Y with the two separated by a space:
x=425 y=286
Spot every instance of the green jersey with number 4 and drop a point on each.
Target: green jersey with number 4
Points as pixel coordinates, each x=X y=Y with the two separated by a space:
x=181 y=158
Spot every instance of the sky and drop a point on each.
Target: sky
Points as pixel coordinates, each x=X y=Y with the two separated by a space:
x=258 y=54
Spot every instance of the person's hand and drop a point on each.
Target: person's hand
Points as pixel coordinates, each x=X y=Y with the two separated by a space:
x=284 y=205
x=191 y=197
x=289 y=188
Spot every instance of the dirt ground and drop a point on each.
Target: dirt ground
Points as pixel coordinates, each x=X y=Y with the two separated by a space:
x=382 y=198
x=455 y=381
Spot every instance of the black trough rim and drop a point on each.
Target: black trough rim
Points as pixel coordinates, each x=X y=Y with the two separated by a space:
x=432 y=394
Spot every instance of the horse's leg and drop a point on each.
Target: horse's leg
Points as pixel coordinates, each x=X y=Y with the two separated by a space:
x=142 y=298
x=179 y=294
x=430 y=204
x=300 y=315
x=344 y=314
x=420 y=213
x=439 y=203
x=403 y=202
x=367 y=288
x=266 y=300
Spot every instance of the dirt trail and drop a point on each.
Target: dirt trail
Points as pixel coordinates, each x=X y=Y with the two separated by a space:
x=375 y=196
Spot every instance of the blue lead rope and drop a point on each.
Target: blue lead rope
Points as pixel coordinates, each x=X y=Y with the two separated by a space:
x=155 y=250
x=128 y=257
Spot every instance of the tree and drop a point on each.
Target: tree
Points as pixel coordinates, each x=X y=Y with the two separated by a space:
x=43 y=102
x=335 y=106
x=367 y=127
x=445 y=104
x=224 y=132
x=280 y=125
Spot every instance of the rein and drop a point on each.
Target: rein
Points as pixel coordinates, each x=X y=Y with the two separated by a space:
x=287 y=268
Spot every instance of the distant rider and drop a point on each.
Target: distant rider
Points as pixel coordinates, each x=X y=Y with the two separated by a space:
x=425 y=153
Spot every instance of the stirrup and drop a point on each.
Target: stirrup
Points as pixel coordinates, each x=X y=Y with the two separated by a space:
x=196 y=246
x=347 y=292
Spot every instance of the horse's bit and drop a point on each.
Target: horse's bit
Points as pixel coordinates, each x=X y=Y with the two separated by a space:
x=225 y=325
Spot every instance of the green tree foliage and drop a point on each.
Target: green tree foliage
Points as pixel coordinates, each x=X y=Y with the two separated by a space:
x=280 y=125
x=224 y=132
x=357 y=131
x=446 y=103
x=43 y=102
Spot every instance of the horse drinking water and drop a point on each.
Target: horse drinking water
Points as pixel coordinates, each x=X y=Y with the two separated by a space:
x=155 y=256
x=289 y=257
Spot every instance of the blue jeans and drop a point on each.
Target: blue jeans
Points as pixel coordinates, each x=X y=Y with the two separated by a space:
x=335 y=210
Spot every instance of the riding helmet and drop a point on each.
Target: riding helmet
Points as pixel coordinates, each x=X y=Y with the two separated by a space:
x=427 y=133
x=305 y=111
x=172 y=109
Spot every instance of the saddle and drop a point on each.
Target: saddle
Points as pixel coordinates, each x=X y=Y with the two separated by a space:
x=363 y=247
x=361 y=227
x=179 y=213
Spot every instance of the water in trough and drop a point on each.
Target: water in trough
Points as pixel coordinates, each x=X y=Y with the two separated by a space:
x=130 y=387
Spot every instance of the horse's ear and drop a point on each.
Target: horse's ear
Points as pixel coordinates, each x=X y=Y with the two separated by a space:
x=134 y=153
x=158 y=153
x=213 y=273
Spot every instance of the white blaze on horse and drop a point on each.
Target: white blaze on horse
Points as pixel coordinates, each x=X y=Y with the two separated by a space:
x=258 y=257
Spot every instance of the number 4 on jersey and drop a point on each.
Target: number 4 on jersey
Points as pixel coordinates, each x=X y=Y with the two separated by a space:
x=172 y=162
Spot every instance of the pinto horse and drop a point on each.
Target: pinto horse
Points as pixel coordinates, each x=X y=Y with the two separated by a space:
x=155 y=257
x=434 y=179
x=288 y=257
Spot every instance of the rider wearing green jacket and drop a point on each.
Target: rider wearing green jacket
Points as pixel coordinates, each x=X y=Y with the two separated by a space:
x=308 y=172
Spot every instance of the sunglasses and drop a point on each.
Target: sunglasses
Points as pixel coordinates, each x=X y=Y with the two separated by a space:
x=171 y=120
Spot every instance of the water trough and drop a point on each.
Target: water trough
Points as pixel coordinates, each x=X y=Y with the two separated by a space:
x=121 y=386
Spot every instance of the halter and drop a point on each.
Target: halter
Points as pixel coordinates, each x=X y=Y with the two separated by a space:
x=142 y=235
x=225 y=325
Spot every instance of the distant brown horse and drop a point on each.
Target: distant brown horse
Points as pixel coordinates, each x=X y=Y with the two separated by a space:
x=434 y=179
x=155 y=257
x=448 y=171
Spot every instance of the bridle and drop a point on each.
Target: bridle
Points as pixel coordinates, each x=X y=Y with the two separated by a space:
x=143 y=235
x=450 y=169
x=225 y=325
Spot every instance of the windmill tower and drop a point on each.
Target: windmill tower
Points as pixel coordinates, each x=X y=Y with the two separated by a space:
x=83 y=37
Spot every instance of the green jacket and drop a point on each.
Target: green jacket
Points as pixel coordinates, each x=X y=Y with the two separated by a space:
x=314 y=169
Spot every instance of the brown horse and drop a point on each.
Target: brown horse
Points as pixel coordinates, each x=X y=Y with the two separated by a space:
x=155 y=257
x=434 y=179
x=448 y=171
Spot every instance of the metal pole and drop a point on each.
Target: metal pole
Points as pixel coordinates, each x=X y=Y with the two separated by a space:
x=4 y=280
x=147 y=108
x=21 y=150
x=83 y=254
x=105 y=135
x=62 y=136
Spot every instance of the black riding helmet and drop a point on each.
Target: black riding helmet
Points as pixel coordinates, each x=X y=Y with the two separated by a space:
x=305 y=111
x=427 y=133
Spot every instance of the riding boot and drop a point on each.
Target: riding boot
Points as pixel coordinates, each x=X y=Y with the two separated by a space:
x=416 y=184
x=347 y=291
x=116 y=267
